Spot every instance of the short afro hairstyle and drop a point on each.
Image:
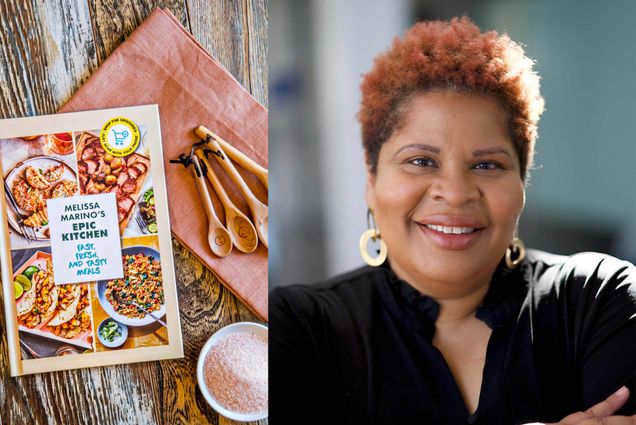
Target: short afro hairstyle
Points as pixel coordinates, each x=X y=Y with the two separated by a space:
x=450 y=55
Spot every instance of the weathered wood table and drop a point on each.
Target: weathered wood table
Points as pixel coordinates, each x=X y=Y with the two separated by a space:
x=47 y=50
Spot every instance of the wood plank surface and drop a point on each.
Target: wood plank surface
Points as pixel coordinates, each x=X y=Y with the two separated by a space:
x=46 y=53
x=257 y=24
x=220 y=26
x=47 y=50
x=114 y=20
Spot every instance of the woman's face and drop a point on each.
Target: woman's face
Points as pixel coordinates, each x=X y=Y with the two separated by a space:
x=447 y=192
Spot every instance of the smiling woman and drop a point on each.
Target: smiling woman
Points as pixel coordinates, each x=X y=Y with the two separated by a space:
x=448 y=184
x=457 y=323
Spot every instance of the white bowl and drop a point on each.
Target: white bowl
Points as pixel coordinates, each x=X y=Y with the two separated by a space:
x=117 y=342
x=241 y=327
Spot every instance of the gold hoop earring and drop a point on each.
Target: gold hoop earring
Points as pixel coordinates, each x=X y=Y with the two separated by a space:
x=515 y=249
x=373 y=234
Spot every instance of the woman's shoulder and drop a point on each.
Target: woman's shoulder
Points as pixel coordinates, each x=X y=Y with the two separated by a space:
x=589 y=257
x=584 y=266
x=337 y=296
x=346 y=285
x=586 y=277
x=580 y=315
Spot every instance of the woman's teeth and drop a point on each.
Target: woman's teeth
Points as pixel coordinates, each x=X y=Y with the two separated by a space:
x=450 y=230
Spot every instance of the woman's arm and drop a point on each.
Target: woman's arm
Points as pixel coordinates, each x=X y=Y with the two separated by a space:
x=600 y=414
x=604 y=332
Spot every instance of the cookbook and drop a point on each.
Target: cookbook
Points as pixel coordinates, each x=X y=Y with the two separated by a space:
x=85 y=248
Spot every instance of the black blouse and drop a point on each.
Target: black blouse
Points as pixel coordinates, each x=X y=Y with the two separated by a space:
x=358 y=349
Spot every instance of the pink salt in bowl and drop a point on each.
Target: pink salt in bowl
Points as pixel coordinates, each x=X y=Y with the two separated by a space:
x=232 y=371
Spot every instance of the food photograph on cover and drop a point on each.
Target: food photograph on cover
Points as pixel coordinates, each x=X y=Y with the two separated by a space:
x=128 y=177
x=58 y=319
x=53 y=320
x=36 y=168
x=131 y=310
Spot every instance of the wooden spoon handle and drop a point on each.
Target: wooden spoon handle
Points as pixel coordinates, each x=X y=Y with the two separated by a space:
x=203 y=191
x=214 y=180
x=235 y=176
x=243 y=160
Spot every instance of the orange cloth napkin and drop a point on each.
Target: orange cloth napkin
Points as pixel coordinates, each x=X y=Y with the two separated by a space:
x=162 y=63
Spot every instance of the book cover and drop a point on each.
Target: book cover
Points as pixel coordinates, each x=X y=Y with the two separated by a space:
x=87 y=266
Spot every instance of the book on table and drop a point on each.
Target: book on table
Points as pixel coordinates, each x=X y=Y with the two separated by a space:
x=87 y=267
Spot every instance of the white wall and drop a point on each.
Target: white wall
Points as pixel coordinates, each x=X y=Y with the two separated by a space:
x=348 y=35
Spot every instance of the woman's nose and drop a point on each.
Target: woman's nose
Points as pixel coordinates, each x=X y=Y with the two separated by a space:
x=455 y=188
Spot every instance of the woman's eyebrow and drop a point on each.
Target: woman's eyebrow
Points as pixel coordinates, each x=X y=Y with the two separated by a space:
x=491 y=151
x=420 y=146
x=436 y=150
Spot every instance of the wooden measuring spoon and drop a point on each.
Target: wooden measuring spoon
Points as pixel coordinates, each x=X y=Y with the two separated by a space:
x=258 y=209
x=218 y=237
x=243 y=160
x=241 y=229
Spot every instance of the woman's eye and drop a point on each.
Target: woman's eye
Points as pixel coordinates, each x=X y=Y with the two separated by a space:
x=487 y=165
x=423 y=162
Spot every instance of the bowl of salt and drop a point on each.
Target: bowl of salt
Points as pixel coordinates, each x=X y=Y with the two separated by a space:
x=232 y=371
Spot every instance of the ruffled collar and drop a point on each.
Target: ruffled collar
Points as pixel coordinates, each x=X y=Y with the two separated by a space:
x=501 y=304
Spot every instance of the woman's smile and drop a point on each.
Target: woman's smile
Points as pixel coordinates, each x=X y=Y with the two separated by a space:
x=447 y=192
x=451 y=232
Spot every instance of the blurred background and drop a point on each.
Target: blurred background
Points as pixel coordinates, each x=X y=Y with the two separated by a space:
x=582 y=192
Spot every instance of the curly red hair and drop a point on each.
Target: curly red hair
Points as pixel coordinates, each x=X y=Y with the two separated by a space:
x=456 y=56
